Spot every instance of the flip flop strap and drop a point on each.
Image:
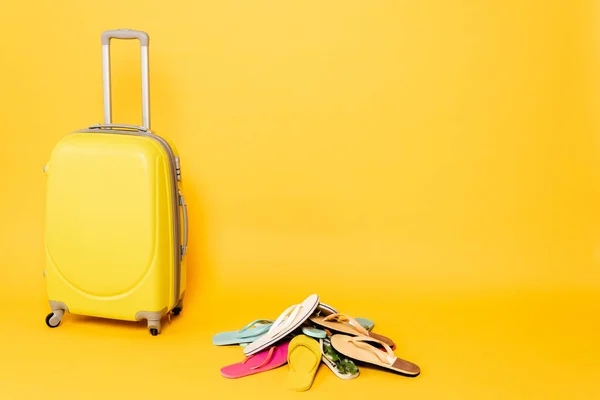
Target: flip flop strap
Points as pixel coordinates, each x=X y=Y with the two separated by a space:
x=266 y=360
x=246 y=332
x=291 y=365
x=253 y=332
x=258 y=321
x=283 y=320
x=343 y=318
x=388 y=357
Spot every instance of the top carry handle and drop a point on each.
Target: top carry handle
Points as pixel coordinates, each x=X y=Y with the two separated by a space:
x=144 y=41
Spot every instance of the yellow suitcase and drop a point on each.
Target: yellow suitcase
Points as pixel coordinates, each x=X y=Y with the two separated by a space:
x=116 y=220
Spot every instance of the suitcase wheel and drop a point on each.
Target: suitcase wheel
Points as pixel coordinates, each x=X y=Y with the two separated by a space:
x=178 y=308
x=53 y=320
x=154 y=327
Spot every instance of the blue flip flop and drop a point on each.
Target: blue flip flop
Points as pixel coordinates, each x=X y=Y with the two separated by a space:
x=366 y=323
x=314 y=332
x=247 y=334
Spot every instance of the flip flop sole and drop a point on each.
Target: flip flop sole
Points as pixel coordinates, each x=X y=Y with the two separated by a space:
x=314 y=332
x=366 y=323
x=336 y=372
x=327 y=309
x=332 y=366
x=241 y=369
x=231 y=338
x=304 y=358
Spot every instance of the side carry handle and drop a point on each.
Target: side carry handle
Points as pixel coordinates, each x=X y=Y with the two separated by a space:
x=185 y=225
x=126 y=34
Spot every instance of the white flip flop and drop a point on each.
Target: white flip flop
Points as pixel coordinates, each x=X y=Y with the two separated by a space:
x=326 y=309
x=289 y=320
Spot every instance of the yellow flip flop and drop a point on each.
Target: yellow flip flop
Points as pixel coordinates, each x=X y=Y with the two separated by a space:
x=304 y=358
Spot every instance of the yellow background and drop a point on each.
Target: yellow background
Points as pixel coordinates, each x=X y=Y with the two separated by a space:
x=430 y=165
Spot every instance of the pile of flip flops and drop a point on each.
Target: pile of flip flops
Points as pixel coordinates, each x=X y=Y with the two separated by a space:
x=306 y=335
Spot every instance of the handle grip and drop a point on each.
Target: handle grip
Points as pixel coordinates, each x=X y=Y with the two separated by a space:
x=125 y=34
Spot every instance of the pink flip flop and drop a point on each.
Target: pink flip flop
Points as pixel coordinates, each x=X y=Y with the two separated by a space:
x=268 y=359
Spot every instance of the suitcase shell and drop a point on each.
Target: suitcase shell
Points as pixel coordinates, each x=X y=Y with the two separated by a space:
x=116 y=225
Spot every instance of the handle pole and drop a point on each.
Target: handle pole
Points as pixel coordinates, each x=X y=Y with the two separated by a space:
x=106 y=83
x=145 y=88
x=106 y=78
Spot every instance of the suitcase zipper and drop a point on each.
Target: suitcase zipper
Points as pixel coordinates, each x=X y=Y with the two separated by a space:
x=175 y=174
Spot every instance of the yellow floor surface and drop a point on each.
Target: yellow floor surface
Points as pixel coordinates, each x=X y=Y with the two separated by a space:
x=509 y=345
x=430 y=165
